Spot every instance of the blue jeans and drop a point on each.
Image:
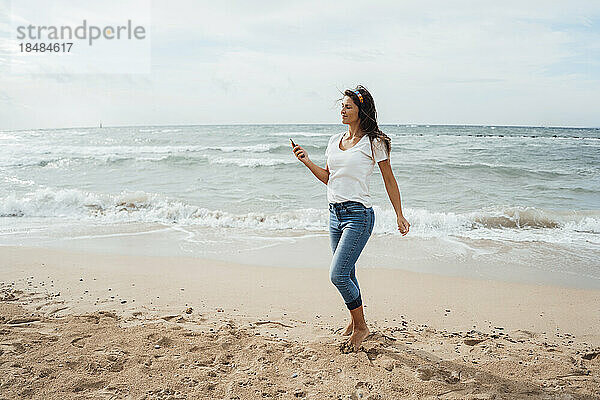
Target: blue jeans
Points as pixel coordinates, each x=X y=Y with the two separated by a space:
x=350 y=226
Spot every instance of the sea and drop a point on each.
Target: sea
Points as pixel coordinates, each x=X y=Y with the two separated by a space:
x=491 y=202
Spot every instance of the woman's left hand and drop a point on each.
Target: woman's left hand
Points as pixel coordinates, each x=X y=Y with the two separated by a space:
x=403 y=225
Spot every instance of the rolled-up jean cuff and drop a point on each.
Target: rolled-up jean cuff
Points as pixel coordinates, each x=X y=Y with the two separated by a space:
x=354 y=303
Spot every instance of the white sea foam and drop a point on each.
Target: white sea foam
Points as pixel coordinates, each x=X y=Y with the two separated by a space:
x=15 y=180
x=292 y=134
x=262 y=147
x=501 y=223
x=252 y=162
x=61 y=156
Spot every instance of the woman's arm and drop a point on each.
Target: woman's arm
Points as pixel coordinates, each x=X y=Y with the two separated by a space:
x=391 y=186
x=320 y=173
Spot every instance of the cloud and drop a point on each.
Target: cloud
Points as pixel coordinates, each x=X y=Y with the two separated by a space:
x=246 y=62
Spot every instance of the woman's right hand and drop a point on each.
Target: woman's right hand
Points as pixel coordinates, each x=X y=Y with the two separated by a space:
x=301 y=154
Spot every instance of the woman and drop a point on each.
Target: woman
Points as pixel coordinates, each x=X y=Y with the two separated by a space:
x=350 y=161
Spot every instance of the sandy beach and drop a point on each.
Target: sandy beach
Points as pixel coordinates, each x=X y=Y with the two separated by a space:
x=87 y=326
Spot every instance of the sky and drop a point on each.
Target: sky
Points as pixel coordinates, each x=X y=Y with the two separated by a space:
x=534 y=63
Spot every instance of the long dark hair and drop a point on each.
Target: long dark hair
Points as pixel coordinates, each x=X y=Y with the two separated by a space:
x=368 y=116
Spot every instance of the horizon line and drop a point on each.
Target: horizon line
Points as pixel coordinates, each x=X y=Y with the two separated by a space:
x=307 y=123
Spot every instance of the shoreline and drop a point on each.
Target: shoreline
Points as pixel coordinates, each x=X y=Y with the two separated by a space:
x=432 y=335
x=536 y=263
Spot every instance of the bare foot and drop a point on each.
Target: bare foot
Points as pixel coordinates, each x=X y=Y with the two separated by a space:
x=349 y=329
x=358 y=336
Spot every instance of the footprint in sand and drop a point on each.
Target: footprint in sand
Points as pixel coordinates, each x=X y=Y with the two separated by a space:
x=163 y=394
x=117 y=357
x=15 y=348
x=523 y=335
x=203 y=360
x=84 y=384
x=363 y=389
x=111 y=392
x=165 y=342
x=80 y=341
x=426 y=373
x=45 y=372
x=95 y=319
x=189 y=382
x=159 y=340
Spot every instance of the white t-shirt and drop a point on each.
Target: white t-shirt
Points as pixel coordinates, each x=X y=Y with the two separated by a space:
x=350 y=169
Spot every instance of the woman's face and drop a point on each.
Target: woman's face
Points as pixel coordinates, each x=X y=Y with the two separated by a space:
x=349 y=111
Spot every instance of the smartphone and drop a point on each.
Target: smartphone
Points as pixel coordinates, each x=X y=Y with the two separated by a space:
x=294 y=145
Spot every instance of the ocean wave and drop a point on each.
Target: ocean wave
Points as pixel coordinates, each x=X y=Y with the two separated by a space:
x=63 y=162
x=43 y=156
x=259 y=148
x=503 y=223
x=252 y=162
x=158 y=130
x=301 y=133
x=57 y=163
x=513 y=170
x=146 y=207
x=15 y=180
x=520 y=218
x=594 y=139
x=61 y=156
